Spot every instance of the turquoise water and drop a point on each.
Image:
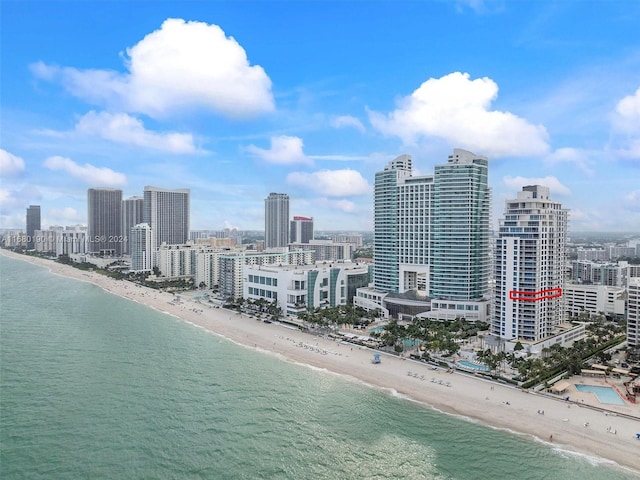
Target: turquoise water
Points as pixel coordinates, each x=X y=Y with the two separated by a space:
x=473 y=366
x=604 y=394
x=97 y=387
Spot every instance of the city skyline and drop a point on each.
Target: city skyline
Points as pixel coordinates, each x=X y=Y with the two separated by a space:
x=315 y=100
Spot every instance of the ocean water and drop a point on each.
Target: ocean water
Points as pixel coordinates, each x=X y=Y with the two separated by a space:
x=94 y=386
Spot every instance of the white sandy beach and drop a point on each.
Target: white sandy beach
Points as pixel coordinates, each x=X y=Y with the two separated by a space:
x=569 y=426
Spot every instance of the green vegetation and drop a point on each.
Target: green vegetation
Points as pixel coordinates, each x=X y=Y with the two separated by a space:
x=340 y=315
x=116 y=274
x=363 y=252
x=259 y=307
x=439 y=337
x=141 y=278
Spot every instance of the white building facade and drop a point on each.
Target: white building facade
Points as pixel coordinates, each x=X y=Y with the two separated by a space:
x=299 y=288
x=530 y=259
x=633 y=313
x=232 y=267
x=326 y=250
x=594 y=299
x=142 y=248
x=431 y=235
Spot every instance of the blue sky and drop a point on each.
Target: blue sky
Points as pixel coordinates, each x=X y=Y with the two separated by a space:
x=235 y=100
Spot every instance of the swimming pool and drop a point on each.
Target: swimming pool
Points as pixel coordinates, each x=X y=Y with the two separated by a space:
x=604 y=394
x=472 y=366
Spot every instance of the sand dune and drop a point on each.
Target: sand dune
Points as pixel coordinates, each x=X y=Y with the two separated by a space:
x=570 y=426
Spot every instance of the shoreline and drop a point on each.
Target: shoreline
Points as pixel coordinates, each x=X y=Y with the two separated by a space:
x=571 y=428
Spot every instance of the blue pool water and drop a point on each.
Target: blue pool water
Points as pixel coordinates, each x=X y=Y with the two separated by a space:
x=472 y=366
x=604 y=394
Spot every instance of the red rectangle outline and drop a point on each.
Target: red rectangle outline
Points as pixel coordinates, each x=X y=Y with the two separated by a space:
x=535 y=296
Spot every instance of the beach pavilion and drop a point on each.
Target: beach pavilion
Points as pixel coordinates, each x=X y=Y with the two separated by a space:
x=560 y=387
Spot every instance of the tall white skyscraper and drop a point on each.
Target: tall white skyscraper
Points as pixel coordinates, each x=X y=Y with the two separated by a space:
x=431 y=234
x=461 y=263
x=386 y=213
x=142 y=248
x=633 y=313
x=167 y=214
x=530 y=259
x=276 y=220
x=132 y=209
x=301 y=230
x=104 y=212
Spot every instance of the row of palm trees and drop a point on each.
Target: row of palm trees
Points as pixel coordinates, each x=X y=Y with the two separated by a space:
x=258 y=306
x=440 y=337
x=348 y=314
x=557 y=358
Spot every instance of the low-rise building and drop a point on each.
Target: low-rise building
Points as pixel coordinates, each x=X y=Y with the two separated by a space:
x=564 y=334
x=326 y=250
x=594 y=299
x=298 y=288
x=232 y=266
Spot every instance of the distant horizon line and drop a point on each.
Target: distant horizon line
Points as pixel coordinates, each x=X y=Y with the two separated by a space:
x=344 y=231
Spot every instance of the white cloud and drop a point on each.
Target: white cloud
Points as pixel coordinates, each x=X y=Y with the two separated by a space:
x=230 y=226
x=342 y=205
x=340 y=157
x=16 y=200
x=347 y=121
x=10 y=164
x=580 y=158
x=87 y=173
x=554 y=185
x=632 y=200
x=457 y=109
x=627 y=114
x=6 y=198
x=181 y=66
x=626 y=121
x=331 y=183
x=123 y=128
x=284 y=150
x=64 y=215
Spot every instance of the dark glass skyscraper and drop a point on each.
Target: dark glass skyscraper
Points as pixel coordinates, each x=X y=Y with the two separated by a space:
x=104 y=214
x=132 y=209
x=301 y=230
x=167 y=213
x=276 y=220
x=33 y=224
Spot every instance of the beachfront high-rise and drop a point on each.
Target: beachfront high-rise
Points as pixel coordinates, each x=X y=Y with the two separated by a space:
x=132 y=209
x=167 y=214
x=104 y=214
x=33 y=224
x=530 y=262
x=142 y=248
x=431 y=235
x=301 y=230
x=386 y=236
x=276 y=220
x=461 y=263
x=633 y=313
